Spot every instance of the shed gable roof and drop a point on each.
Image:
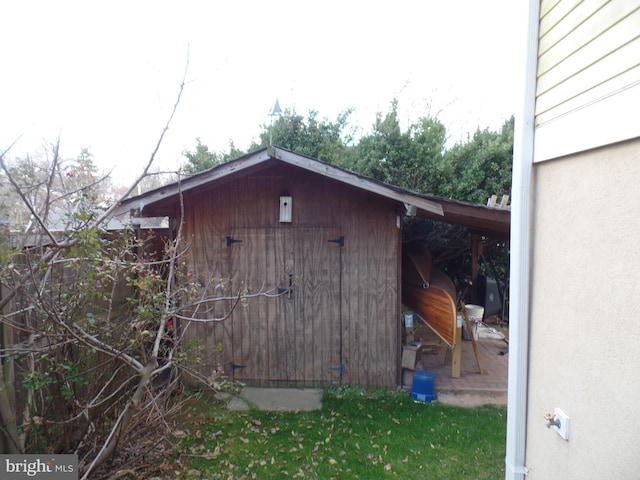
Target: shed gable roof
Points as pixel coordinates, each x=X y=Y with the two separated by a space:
x=476 y=217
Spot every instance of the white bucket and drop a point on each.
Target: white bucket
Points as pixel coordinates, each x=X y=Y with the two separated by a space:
x=474 y=314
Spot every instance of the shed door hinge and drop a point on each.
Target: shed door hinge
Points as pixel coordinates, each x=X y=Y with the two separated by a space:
x=231 y=241
x=234 y=366
x=340 y=369
x=339 y=240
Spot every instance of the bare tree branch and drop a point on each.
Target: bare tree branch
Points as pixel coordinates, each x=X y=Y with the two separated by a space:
x=27 y=202
x=109 y=211
x=96 y=369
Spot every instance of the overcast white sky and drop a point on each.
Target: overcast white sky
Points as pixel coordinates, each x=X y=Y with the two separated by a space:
x=105 y=75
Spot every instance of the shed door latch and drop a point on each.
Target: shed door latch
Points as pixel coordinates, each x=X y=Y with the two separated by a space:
x=288 y=289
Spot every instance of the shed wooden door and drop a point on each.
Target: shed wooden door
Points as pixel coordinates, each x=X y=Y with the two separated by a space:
x=293 y=333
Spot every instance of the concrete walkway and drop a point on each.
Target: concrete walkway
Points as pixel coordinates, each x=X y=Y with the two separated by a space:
x=277 y=399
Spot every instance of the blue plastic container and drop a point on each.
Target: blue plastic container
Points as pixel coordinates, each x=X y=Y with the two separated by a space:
x=423 y=387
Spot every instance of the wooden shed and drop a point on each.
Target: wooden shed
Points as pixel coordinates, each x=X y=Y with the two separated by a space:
x=324 y=243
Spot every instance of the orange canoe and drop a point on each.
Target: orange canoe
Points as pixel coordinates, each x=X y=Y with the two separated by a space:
x=429 y=292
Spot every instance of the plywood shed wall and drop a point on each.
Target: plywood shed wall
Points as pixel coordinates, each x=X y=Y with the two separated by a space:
x=338 y=323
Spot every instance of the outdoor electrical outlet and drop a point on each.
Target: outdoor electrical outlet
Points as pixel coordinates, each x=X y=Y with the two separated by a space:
x=563 y=428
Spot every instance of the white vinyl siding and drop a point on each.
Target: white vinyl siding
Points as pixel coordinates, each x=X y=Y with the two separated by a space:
x=589 y=52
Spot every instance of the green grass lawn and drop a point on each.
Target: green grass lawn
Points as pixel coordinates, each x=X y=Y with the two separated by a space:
x=355 y=435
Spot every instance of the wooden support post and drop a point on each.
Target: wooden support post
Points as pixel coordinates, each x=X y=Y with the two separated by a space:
x=456 y=358
x=476 y=251
x=454 y=355
x=473 y=338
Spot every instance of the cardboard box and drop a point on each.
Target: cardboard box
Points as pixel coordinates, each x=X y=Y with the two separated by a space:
x=411 y=354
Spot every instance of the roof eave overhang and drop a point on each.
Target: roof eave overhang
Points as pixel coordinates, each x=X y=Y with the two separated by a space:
x=356 y=180
x=168 y=192
x=489 y=221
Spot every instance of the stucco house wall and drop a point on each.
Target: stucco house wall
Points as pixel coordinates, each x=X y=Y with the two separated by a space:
x=585 y=315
